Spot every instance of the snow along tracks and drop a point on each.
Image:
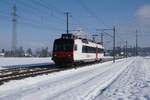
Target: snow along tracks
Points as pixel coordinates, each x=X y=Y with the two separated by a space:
x=80 y=84
x=132 y=84
x=24 y=72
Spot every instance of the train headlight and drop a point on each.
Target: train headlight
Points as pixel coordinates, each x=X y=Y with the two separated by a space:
x=69 y=55
x=55 y=55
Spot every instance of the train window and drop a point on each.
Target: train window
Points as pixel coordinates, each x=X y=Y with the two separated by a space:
x=87 y=49
x=85 y=41
x=75 y=48
x=63 y=45
x=100 y=50
x=91 y=50
x=84 y=49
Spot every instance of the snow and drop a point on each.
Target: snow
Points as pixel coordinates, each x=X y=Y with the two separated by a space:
x=127 y=79
x=107 y=57
x=132 y=84
x=13 y=62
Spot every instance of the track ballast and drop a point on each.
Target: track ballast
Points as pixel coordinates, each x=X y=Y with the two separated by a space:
x=24 y=72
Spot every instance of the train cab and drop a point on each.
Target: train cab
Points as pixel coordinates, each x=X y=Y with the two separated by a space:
x=63 y=49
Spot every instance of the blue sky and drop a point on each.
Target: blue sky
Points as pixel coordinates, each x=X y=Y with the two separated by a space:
x=42 y=21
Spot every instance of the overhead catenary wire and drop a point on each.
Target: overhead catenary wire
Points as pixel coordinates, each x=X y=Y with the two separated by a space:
x=31 y=11
x=34 y=11
x=28 y=20
x=79 y=22
x=50 y=6
x=91 y=13
x=28 y=23
x=44 y=5
x=58 y=11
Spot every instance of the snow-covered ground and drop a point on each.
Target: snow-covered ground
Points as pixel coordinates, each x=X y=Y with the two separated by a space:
x=127 y=79
x=132 y=84
x=22 y=62
x=107 y=57
x=87 y=83
x=14 y=62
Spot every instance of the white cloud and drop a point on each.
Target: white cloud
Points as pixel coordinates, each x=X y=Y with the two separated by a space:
x=144 y=12
x=143 y=15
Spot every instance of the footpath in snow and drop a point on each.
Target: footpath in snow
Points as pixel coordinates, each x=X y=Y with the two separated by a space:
x=85 y=83
x=132 y=84
x=12 y=62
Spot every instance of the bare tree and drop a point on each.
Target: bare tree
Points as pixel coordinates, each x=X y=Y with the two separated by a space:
x=20 y=52
x=44 y=52
x=29 y=52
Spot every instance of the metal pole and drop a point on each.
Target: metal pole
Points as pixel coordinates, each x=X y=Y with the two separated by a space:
x=67 y=15
x=136 y=42
x=102 y=38
x=14 y=34
x=114 y=44
x=126 y=50
x=67 y=23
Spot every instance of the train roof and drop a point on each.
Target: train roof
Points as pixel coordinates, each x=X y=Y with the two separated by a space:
x=71 y=36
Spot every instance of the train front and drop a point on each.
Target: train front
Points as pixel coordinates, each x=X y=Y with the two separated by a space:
x=63 y=50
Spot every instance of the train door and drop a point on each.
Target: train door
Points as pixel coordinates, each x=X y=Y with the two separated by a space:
x=96 y=53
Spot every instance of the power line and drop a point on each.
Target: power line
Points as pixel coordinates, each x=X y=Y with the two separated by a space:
x=29 y=23
x=32 y=24
x=44 y=5
x=108 y=34
x=53 y=7
x=114 y=39
x=5 y=16
x=91 y=13
x=22 y=10
x=32 y=10
x=79 y=22
x=38 y=26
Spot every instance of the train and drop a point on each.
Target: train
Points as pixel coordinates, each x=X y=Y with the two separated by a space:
x=70 y=49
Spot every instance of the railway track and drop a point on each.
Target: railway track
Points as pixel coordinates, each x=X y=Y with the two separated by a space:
x=24 y=72
x=20 y=73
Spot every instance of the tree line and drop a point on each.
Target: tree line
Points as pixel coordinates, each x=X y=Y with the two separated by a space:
x=20 y=52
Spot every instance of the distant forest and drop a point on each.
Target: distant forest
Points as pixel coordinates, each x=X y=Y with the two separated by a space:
x=20 y=52
x=45 y=52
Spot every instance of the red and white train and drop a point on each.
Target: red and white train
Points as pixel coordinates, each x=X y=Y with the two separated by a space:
x=69 y=50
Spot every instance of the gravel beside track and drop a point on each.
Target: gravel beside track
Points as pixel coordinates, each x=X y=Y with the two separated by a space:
x=24 y=72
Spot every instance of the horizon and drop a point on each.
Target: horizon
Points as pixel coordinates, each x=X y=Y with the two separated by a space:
x=39 y=22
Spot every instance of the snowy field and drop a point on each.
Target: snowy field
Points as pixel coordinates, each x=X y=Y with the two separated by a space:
x=12 y=62
x=132 y=84
x=23 y=62
x=127 y=79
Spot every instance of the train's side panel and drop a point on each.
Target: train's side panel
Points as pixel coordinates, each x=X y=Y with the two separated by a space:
x=100 y=55
x=80 y=56
x=77 y=54
x=89 y=56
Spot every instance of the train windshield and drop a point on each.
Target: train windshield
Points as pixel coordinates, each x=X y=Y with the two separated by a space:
x=63 y=45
